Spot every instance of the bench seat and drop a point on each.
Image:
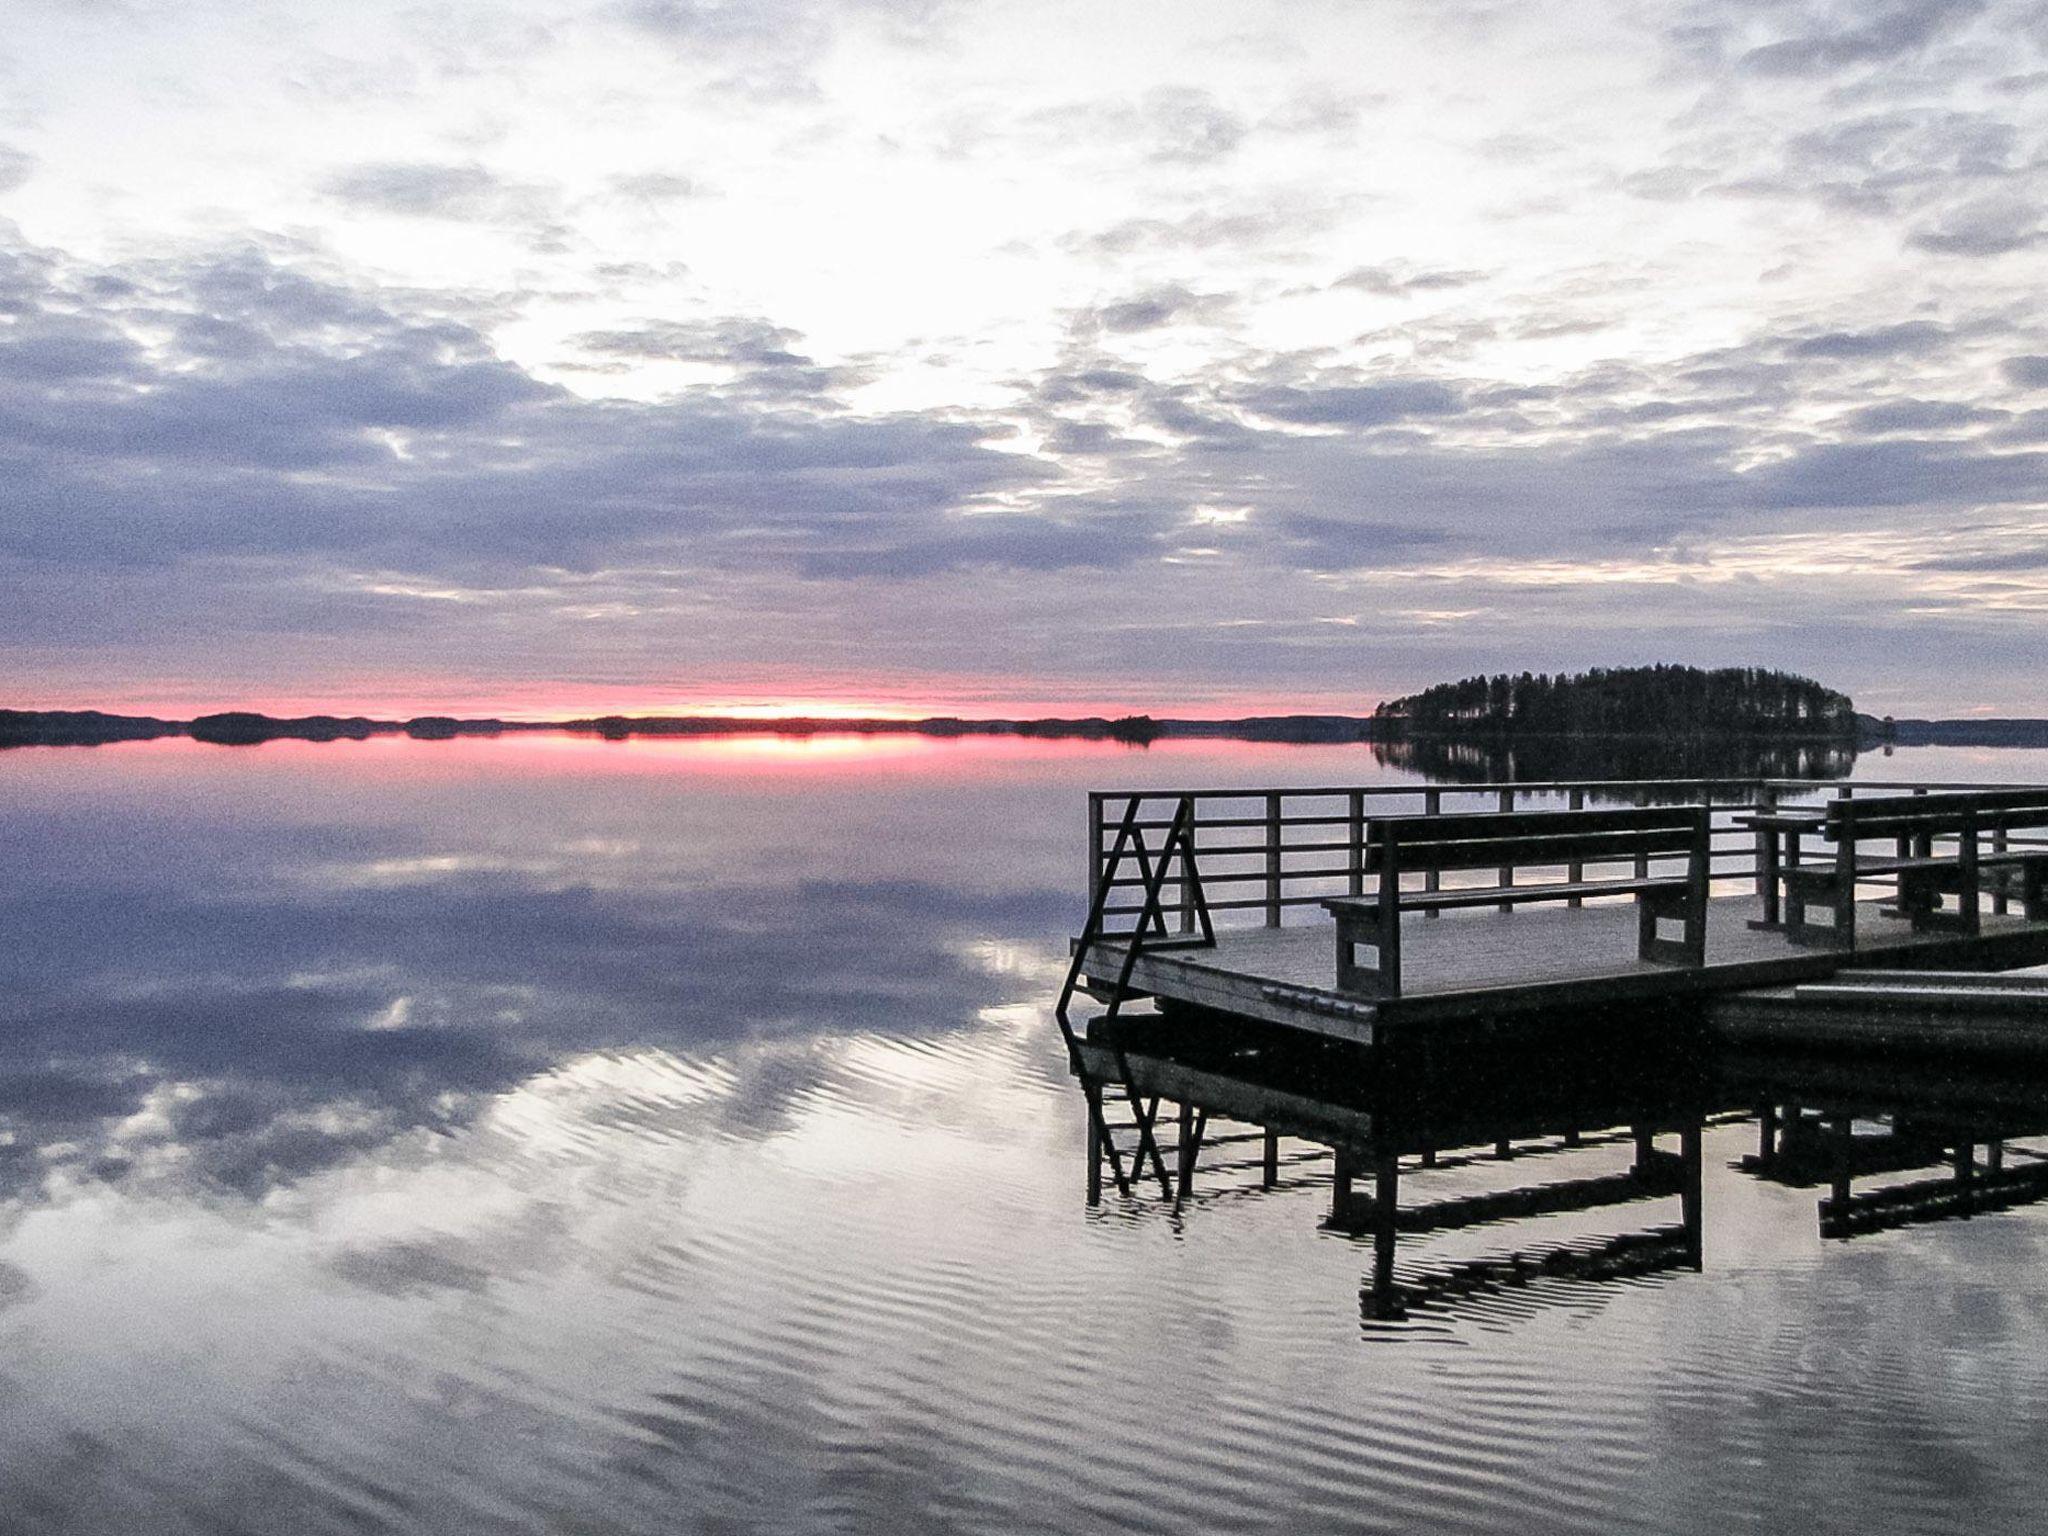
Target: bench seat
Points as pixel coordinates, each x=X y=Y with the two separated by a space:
x=1923 y=878
x=1434 y=845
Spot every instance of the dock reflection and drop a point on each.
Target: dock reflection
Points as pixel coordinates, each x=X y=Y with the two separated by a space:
x=1977 y=1140
x=1182 y=1115
x=1168 y=1104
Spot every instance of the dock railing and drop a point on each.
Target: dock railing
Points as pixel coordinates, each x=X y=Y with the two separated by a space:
x=1263 y=853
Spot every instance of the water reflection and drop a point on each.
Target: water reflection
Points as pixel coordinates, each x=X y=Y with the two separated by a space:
x=1430 y=1141
x=441 y=1137
x=1896 y=1147
x=1415 y=1145
x=1549 y=759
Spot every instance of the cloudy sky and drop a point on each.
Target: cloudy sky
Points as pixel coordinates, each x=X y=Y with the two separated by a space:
x=566 y=354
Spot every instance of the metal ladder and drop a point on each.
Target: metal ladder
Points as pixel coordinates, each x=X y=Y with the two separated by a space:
x=1149 y=933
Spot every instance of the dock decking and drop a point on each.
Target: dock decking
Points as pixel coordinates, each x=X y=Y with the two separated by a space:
x=1471 y=964
x=1275 y=856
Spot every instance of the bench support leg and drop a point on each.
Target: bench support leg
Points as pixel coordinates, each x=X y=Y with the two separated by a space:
x=1374 y=929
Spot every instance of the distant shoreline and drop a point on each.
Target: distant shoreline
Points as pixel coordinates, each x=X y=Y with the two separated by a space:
x=241 y=728
x=23 y=728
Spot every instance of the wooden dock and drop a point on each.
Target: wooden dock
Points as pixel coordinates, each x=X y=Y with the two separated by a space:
x=1220 y=902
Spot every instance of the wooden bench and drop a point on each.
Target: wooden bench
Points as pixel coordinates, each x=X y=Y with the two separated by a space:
x=1921 y=874
x=1435 y=845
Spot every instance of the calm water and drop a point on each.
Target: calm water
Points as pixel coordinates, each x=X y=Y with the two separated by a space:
x=565 y=1136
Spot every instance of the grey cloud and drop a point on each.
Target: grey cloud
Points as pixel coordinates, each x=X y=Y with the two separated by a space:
x=657 y=187
x=1909 y=338
x=1192 y=128
x=1173 y=125
x=1886 y=161
x=273 y=435
x=1393 y=282
x=1862 y=33
x=763 y=354
x=1354 y=405
x=2032 y=559
x=1323 y=112
x=1096 y=536
x=16 y=166
x=1207 y=230
x=57 y=349
x=1897 y=472
x=1920 y=416
x=1991 y=226
x=467 y=193
x=1159 y=307
x=2030 y=372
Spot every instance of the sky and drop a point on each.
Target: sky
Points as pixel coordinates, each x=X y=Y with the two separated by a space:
x=546 y=356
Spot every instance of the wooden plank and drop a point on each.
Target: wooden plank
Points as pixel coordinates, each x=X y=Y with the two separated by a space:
x=1504 y=896
x=1477 y=824
x=1557 y=846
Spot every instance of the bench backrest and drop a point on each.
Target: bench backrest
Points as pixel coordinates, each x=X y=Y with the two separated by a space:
x=1493 y=839
x=1936 y=813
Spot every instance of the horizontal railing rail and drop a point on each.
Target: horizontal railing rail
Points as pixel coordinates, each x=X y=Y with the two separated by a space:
x=1267 y=852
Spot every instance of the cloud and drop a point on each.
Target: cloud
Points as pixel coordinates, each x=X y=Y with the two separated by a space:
x=1989 y=226
x=461 y=193
x=1172 y=125
x=1353 y=405
x=1862 y=33
x=1920 y=416
x=1395 y=282
x=1895 y=473
x=2029 y=372
x=657 y=187
x=1159 y=307
x=16 y=166
x=1911 y=338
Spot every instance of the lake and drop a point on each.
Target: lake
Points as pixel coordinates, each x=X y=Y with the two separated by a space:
x=547 y=1134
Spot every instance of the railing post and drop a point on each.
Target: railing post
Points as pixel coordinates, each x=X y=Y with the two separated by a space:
x=1507 y=871
x=1767 y=803
x=1187 y=873
x=1355 y=851
x=1432 y=805
x=1576 y=870
x=1273 y=860
x=1642 y=859
x=1998 y=845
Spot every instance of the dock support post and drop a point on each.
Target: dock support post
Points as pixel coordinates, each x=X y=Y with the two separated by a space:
x=1994 y=1156
x=1270 y=1171
x=1273 y=860
x=1689 y=1195
x=1094 y=1148
x=1845 y=1149
x=1386 y=1199
x=1767 y=1133
x=1646 y=1146
x=1184 y=1160
x=1340 y=1186
x=1503 y=1148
